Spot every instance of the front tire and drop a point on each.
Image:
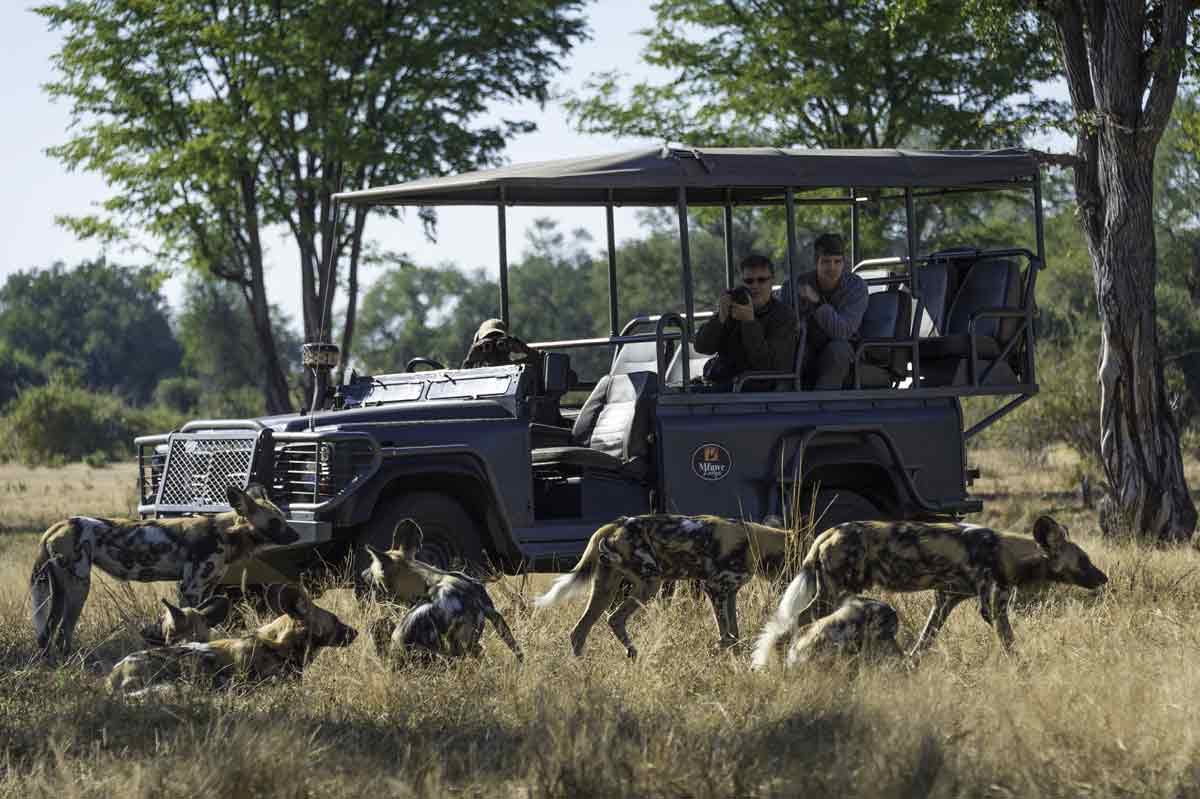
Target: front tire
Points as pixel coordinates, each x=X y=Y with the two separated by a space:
x=450 y=539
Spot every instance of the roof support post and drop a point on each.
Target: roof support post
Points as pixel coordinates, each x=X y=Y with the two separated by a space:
x=503 y=227
x=614 y=316
x=685 y=254
x=789 y=197
x=914 y=277
x=728 y=238
x=854 y=256
x=1030 y=375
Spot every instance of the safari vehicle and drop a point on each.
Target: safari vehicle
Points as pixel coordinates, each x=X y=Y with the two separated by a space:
x=496 y=467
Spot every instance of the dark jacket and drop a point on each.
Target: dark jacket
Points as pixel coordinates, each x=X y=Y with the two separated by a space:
x=766 y=344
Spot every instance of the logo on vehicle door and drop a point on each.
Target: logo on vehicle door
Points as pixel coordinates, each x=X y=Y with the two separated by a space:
x=711 y=462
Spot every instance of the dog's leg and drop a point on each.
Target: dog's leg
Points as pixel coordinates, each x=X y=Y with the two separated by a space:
x=1000 y=597
x=194 y=584
x=724 y=604
x=943 y=604
x=605 y=583
x=640 y=595
x=502 y=630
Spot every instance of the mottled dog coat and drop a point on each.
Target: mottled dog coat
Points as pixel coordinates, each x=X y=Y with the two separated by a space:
x=448 y=608
x=177 y=625
x=194 y=550
x=279 y=649
x=860 y=626
x=720 y=553
x=956 y=561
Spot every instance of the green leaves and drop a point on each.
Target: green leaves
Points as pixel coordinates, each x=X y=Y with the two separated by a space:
x=864 y=73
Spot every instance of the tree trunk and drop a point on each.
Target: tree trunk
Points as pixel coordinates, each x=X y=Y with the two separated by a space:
x=360 y=221
x=1139 y=440
x=1109 y=75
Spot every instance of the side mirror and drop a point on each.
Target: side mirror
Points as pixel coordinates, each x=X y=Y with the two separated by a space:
x=557 y=370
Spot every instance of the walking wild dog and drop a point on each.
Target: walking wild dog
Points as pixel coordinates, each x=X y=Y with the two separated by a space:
x=194 y=550
x=448 y=610
x=721 y=554
x=177 y=625
x=281 y=648
x=956 y=561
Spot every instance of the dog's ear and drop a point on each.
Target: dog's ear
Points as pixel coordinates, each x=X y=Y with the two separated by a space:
x=178 y=617
x=376 y=555
x=240 y=501
x=1049 y=534
x=256 y=492
x=407 y=537
x=290 y=599
x=215 y=609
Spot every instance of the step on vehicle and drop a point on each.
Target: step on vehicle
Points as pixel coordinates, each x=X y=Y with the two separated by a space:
x=498 y=469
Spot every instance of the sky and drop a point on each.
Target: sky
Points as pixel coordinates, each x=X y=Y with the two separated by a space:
x=37 y=187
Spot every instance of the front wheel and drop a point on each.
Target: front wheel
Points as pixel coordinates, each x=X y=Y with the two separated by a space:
x=450 y=539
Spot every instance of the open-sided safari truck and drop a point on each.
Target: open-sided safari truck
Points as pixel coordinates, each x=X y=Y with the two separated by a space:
x=494 y=466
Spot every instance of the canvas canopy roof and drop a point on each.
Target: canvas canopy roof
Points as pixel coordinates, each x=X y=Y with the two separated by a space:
x=711 y=176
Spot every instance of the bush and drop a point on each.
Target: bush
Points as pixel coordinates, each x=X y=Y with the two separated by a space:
x=60 y=421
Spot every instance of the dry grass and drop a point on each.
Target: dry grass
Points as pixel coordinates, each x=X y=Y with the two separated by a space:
x=1101 y=701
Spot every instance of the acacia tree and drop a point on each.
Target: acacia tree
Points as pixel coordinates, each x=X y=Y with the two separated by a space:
x=217 y=119
x=821 y=74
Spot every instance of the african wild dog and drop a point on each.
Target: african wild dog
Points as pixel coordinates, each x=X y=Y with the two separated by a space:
x=448 y=608
x=195 y=550
x=177 y=625
x=281 y=648
x=956 y=561
x=721 y=554
x=859 y=626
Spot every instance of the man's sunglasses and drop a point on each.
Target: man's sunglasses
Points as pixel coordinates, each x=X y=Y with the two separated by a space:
x=750 y=281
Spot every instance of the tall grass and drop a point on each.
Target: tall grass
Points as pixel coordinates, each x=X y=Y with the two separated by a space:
x=1102 y=699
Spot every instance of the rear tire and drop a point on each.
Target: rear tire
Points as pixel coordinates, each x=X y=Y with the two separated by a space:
x=450 y=538
x=839 y=505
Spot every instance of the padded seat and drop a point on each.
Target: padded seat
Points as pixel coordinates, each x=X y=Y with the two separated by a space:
x=888 y=316
x=637 y=356
x=612 y=432
x=695 y=365
x=991 y=283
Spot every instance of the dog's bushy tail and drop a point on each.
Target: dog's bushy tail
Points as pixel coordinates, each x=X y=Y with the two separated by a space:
x=575 y=581
x=46 y=596
x=799 y=595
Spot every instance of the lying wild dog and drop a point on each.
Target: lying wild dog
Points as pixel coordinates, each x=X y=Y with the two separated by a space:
x=859 y=626
x=721 y=554
x=956 y=561
x=281 y=648
x=177 y=625
x=194 y=550
x=448 y=608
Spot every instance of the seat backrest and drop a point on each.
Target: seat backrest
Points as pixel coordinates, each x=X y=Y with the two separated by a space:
x=991 y=283
x=938 y=280
x=695 y=365
x=638 y=356
x=618 y=417
x=888 y=315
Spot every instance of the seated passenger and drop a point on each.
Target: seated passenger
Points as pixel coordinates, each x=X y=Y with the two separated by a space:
x=494 y=346
x=830 y=301
x=752 y=331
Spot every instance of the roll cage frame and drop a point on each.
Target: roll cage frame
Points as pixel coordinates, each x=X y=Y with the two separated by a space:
x=764 y=195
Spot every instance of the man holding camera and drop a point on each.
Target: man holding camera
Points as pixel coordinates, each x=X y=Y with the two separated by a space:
x=752 y=331
x=831 y=302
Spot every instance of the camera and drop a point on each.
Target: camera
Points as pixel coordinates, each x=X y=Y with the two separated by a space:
x=740 y=295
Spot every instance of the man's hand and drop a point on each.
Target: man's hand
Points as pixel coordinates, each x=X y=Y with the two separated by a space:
x=809 y=293
x=723 y=306
x=742 y=312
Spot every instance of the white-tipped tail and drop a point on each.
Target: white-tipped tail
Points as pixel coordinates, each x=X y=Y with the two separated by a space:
x=565 y=587
x=799 y=594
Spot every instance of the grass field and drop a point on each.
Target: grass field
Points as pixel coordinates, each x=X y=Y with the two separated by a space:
x=1103 y=698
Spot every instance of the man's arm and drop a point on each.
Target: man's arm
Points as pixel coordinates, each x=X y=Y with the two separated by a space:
x=842 y=323
x=709 y=336
x=770 y=343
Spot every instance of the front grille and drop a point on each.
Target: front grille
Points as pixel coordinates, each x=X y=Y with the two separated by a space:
x=199 y=469
x=313 y=472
